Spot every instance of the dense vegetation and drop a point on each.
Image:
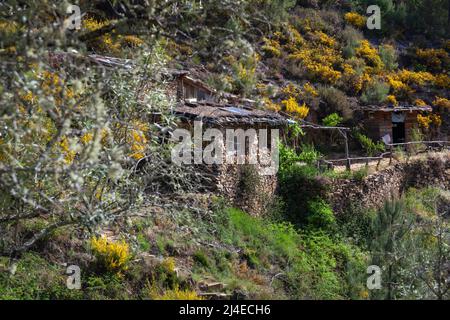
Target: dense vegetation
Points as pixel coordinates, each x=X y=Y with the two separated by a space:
x=80 y=155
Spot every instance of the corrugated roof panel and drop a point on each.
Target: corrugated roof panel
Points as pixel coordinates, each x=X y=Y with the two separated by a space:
x=236 y=110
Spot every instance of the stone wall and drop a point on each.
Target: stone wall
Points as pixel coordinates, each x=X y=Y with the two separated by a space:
x=374 y=189
x=246 y=188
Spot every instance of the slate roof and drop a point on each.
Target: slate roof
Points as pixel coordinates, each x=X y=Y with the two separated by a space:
x=392 y=108
x=223 y=113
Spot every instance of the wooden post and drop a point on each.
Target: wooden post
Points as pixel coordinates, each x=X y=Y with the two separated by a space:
x=391 y=153
x=348 y=164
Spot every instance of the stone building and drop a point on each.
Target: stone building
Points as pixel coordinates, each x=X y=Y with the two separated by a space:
x=196 y=102
x=247 y=184
x=392 y=124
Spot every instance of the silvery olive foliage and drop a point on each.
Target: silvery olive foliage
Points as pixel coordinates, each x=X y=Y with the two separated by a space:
x=73 y=133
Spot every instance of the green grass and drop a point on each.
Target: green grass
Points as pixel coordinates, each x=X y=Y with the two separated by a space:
x=36 y=278
x=316 y=265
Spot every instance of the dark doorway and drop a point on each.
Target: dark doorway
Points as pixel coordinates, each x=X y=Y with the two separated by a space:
x=398 y=132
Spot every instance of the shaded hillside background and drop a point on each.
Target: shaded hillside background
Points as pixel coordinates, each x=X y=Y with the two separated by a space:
x=85 y=179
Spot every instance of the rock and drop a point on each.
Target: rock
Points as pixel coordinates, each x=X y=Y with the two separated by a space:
x=212 y=286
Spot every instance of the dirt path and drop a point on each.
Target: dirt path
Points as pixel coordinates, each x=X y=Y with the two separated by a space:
x=372 y=166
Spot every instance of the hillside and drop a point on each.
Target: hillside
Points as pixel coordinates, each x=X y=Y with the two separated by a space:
x=94 y=101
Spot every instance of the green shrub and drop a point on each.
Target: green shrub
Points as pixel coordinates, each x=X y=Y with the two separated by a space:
x=351 y=39
x=201 y=258
x=309 y=154
x=335 y=101
x=371 y=148
x=376 y=92
x=289 y=157
x=332 y=120
x=144 y=245
x=389 y=57
x=298 y=185
x=360 y=174
x=320 y=214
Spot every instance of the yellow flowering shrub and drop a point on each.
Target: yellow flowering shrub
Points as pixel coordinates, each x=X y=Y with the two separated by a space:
x=441 y=102
x=271 y=47
x=318 y=56
x=369 y=54
x=291 y=90
x=397 y=85
x=324 y=39
x=92 y=24
x=351 y=80
x=324 y=73
x=132 y=41
x=392 y=100
x=292 y=107
x=364 y=294
x=86 y=137
x=355 y=19
x=9 y=27
x=419 y=103
x=433 y=58
x=270 y=105
x=442 y=80
x=308 y=89
x=436 y=119
x=104 y=43
x=244 y=77
x=419 y=78
x=169 y=264
x=112 y=256
x=137 y=139
x=69 y=154
x=424 y=121
x=294 y=38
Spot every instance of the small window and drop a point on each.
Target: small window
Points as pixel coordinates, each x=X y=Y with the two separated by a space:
x=189 y=92
x=201 y=95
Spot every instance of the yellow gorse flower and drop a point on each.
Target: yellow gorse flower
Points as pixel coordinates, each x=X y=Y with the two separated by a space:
x=418 y=78
x=137 y=139
x=291 y=106
x=370 y=54
x=424 y=121
x=442 y=80
x=270 y=105
x=392 y=100
x=309 y=89
x=355 y=19
x=69 y=154
x=291 y=90
x=441 y=102
x=272 y=47
x=432 y=57
x=113 y=256
x=87 y=137
x=420 y=103
x=436 y=119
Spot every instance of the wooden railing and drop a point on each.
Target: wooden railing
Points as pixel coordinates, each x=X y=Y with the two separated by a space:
x=430 y=146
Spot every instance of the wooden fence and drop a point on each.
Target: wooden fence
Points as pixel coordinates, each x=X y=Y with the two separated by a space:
x=406 y=146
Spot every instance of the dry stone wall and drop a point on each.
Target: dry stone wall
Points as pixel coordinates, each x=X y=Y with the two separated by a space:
x=374 y=189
